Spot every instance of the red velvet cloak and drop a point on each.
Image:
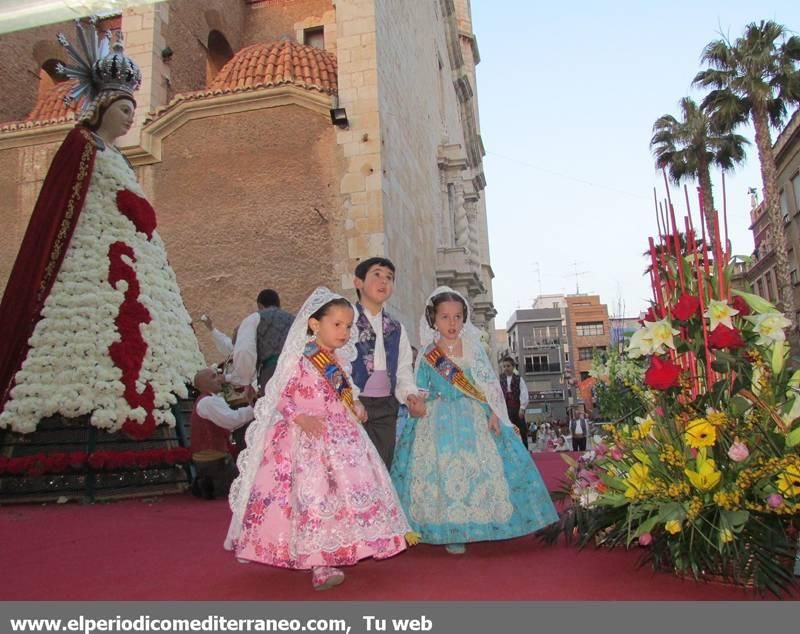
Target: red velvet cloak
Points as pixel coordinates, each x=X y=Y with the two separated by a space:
x=38 y=262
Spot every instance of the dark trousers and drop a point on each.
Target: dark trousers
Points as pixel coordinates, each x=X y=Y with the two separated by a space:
x=214 y=478
x=381 y=425
x=579 y=444
x=521 y=425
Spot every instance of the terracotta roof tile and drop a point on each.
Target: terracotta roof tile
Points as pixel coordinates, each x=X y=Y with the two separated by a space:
x=278 y=63
x=263 y=66
x=51 y=104
x=49 y=110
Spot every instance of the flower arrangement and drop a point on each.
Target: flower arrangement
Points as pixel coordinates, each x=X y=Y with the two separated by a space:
x=618 y=387
x=79 y=461
x=707 y=478
x=131 y=348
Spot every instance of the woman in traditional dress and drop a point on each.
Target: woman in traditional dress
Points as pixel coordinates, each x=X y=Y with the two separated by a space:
x=460 y=471
x=92 y=319
x=313 y=493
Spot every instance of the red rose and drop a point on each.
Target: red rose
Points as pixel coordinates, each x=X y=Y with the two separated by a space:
x=724 y=337
x=739 y=304
x=686 y=307
x=662 y=374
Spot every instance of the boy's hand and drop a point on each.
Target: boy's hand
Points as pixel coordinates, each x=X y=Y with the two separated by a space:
x=494 y=424
x=416 y=406
x=311 y=425
x=360 y=410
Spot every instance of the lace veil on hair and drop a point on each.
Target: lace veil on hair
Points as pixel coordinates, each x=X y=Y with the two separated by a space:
x=483 y=370
x=266 y=409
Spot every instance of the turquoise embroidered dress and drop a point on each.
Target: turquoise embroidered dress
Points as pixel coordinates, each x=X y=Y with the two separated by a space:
x=456 y=480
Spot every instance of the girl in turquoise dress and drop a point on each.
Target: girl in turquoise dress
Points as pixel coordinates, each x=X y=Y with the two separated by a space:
x=460 y=471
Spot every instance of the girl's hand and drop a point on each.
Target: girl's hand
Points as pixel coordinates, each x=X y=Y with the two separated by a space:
x=494 y=424
x=360 y=410
x=311 y=425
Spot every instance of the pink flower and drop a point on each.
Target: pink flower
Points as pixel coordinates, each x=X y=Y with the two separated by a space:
x=588 y=476
x=738 y=452
x=616 y=453
x=601 y=450
x=693 y=451
x=775 y=500
x=645 y=539
x=659 y=411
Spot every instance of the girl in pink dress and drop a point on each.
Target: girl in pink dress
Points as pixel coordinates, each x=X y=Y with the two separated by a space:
x=313 y=493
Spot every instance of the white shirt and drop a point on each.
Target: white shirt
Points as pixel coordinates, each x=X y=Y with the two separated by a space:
x=245 y=353
x=216 y=409
x=523 y=390
x=405 y=385
x=223 y=342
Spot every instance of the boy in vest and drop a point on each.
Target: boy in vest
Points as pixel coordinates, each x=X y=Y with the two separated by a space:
x=382 y=370
x=515 y=393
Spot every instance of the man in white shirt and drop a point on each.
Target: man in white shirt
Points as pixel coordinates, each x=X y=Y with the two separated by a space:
x=213 y=421
x=221 y=340
x=579 y=430
x=259 y=341
x=516 y=394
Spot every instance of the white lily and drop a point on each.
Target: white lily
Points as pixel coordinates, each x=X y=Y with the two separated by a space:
x=770 y=327
x=720 y=312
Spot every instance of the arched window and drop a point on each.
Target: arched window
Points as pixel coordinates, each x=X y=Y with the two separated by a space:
x=48 y=77
x=219 y=52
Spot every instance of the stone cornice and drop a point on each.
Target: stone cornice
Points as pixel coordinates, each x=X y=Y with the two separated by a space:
x=182 y=111
x=37 y=135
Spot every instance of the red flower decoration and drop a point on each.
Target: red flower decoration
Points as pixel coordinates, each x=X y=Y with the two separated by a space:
x=138 y=211
x=686 y=307
x=654 y=313
x=128 y=353
x=662 y=374
x=739 y=304
x=724 y=337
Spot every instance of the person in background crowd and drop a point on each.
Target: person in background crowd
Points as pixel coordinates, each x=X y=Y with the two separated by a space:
x=213 y=420
x=515 y=393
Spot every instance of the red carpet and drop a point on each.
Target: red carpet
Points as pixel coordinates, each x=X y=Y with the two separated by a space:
x=170 y=548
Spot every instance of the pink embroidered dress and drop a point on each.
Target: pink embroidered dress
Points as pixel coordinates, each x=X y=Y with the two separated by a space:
x=313 y=501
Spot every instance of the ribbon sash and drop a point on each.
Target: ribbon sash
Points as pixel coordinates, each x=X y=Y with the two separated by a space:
x=453 y=374
x=331 y=371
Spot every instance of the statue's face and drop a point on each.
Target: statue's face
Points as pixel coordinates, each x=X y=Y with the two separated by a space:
x=117 y=119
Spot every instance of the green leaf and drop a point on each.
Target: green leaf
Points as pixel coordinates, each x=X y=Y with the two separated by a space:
x=646 y=526
x=778 y=356
x=734 y=520
x=569 y=460
x=793 y=438
x=758 y=304
x=672 y=511
x=739 y=405
x=614 y=483
x=721 y=366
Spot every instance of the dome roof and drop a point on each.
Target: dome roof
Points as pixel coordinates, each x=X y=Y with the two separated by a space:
x=276 y=63
x=51 y=106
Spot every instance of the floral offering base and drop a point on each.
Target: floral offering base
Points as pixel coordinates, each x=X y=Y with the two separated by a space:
x=69 y=459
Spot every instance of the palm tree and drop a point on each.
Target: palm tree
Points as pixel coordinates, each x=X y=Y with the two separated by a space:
x=755 y=78
x=688 y=148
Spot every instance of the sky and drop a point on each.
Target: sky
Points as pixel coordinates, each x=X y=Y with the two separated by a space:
x=568 y=93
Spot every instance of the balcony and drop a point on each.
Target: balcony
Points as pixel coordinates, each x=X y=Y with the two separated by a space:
x=529 y=344
x=556 y=395
x=543 y=368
